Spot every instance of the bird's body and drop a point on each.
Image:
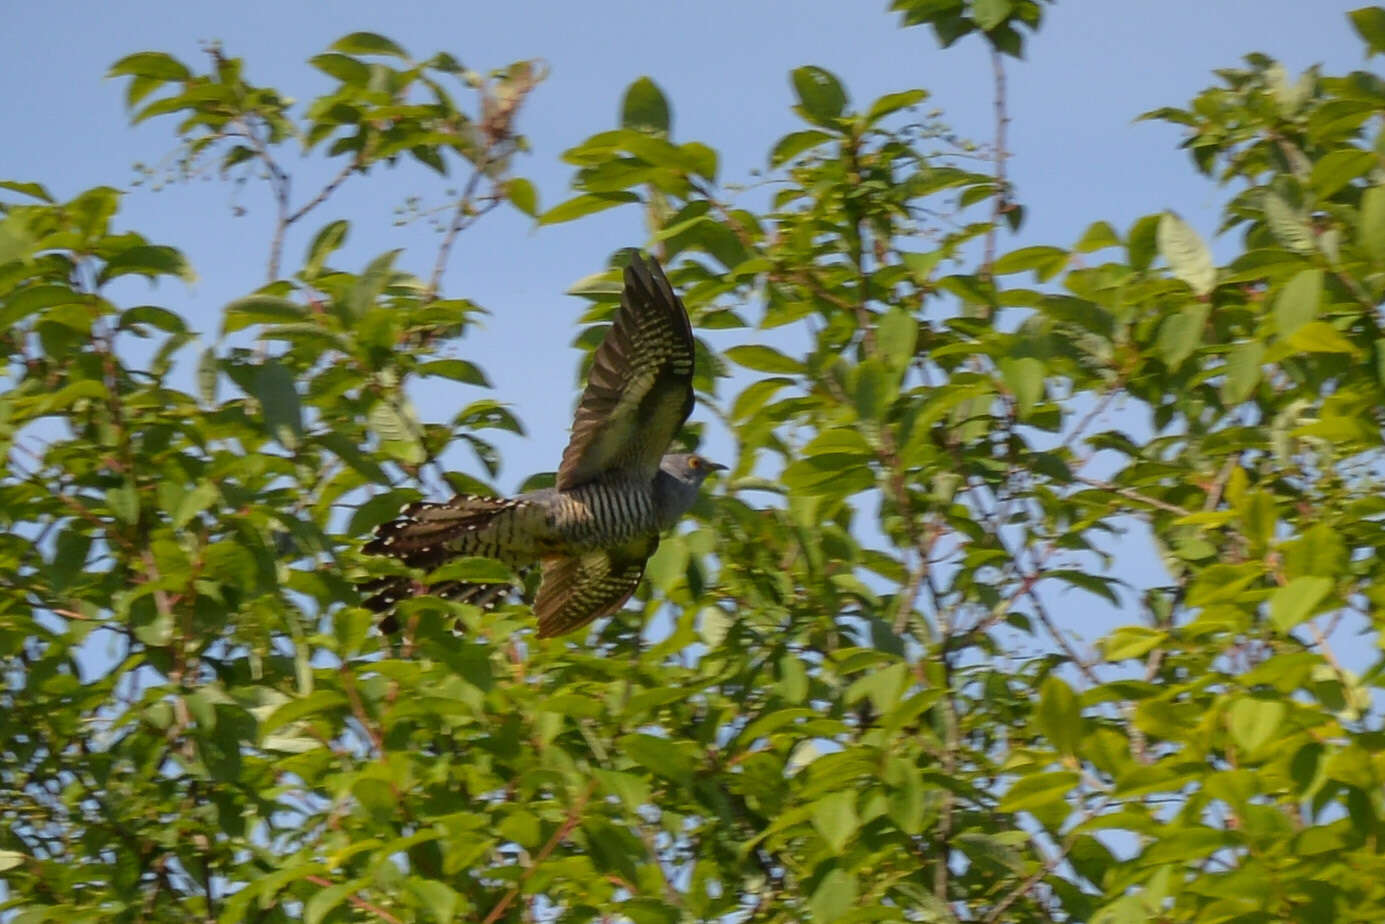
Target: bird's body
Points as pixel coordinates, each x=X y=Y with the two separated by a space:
x=616 y=490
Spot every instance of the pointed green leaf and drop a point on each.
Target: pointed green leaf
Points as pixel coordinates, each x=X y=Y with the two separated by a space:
x=834 y=817
x=990 y=13
x=150 y=64
x=1254 y=721
x=367 y=43
x=1297 y=303
x=1298 y=600
x=1320 y=337
x=1059 y=714
x=795 y=143
x=1025 y=379
x=324 y=244
x=764 y=359
x=1369 y=22
x=1287 y=225
x=645 y=108
x=522 y=195
x=820 y=93
x=834 y=896
x=586 y=204
x=1186 y=253
x=1371 y=232
x=278 y=396
x=1242 y=371
x=897 y=335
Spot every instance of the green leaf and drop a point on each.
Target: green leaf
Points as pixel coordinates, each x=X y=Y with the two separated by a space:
x=522 y=195
x=1039 y=789
x=1298 y=601
x=437 y=898
x=586 y=204
x=9 y=859
x=645 y=108
x=1059 y=714
x=326 y=242
x=1046 y=262
x=662 y=756
x=873 y=388
x=897 y=335
x=1188 y=257
x=367 y=43
x=1297 y=303
x=123 y=501
x=1242 y=370
x=1320 y=337
x=277 y=393
x=458 y=370
x=194 y=502
x=19 y=305
x=1287 y=225
x=1181 y=334
x=260 y=309
x=1336 y=169
x=150 y=64
x=398 y=432
x=893 y=102
x=1098 y=236
x=1025 y=379
x=1131 y=642
x=208 y=375
x=1254 y=721
x=473 y=570
x=834 y=817
x=834 y=896
x=764 y=359
x=988 y=14
x=34 y=190
x=1369 y=22
x=795 y=143
x=135 y=318
x=301 y=708
x=1371 y=231
x=820 y=93
x=345 y=68
x=147 y=260
x=324 y=900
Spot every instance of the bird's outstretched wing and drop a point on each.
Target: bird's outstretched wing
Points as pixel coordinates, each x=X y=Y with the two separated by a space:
x=639 y=390
x=577 y=589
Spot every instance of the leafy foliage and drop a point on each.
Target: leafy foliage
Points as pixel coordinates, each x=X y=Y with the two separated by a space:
x=846 y=692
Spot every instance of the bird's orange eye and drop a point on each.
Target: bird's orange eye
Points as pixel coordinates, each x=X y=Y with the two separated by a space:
x=694 y=462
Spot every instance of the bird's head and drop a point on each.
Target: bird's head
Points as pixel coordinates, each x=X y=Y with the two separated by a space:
x=689 y=468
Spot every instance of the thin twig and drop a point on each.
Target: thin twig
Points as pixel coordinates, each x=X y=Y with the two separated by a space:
x=1134 y=495
x=574 y=815
x=279 y=184
x=326 y=191
x=1049 y=865
x=356 y=901
x=999 y=155
x=358 y=709
x=460 y=215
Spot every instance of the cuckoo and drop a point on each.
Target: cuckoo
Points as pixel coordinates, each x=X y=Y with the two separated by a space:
x=618 y=487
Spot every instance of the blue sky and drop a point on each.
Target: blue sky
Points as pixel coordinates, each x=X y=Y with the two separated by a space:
x=1078 y=154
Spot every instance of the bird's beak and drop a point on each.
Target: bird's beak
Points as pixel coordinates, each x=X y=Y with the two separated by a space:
x=716 y=466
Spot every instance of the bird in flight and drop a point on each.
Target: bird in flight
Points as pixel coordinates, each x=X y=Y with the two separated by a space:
x=617 y=488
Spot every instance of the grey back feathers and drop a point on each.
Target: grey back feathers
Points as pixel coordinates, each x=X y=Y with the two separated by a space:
x=617 y=488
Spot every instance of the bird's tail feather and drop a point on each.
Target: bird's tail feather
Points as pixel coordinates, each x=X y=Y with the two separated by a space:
x=425 y=535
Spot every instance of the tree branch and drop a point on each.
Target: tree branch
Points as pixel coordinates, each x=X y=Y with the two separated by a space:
x=574 y=815
x=1002 y=203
